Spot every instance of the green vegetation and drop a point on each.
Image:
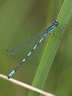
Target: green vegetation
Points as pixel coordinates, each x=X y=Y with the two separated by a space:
x=51 y=47
x=21 y=20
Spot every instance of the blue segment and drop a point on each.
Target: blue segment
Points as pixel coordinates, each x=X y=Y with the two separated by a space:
x=29 y=54
x=24 y=60
x=52 y=27
x=46 y=35
x=51 y=30
x=35 y=47
x=41 y=39
x=10 y=75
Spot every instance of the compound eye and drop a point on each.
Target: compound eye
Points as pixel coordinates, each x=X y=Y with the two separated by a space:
x=54 y=22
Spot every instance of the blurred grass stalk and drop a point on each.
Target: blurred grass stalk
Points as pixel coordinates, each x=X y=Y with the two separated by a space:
x=51 y=48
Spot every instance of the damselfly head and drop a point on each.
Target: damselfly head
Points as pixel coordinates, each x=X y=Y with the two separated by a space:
x=55 y=23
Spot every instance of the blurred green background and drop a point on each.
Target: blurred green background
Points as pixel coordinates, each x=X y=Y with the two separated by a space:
x=20 y=21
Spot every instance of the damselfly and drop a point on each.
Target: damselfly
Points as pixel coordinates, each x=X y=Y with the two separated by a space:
x=47 y=32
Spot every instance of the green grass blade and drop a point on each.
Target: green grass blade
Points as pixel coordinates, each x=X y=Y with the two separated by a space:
x=51 y=48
